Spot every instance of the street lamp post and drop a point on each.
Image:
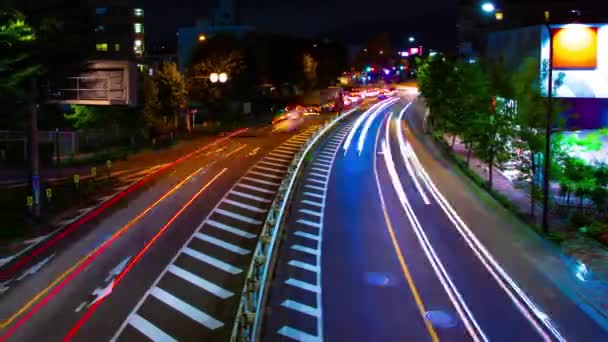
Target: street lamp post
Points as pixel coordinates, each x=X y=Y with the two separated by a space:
x=548 y=129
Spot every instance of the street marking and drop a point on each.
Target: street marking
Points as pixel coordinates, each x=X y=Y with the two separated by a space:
x=220 y=243
x=295 y=144
x=244 y=206
x=305 y=250
x=316 y=204
x=273 y=164
x=326 y=159
x=303 y=285
x=185 y=308
x=310 y=212
x=316 y=181
x=306 y=235
x=305 y=309
x=303 y=265
x=149 y=329
x=322 y=163
x=261 y=181
x=255 y=188
x=313 y=195
x=237 y=216
x=265 y=175
x=281 y=154
x=200 y=282
x=319 y=175
x=319 y=169
x=212 y=261
x=278 y=159
x=229 y=229
x=330 y=154
x=268 y=169
x=309 y=223
x=81 y=306
x=288 y=149
x=252 y=197
x=297 y=335
x=315 y=187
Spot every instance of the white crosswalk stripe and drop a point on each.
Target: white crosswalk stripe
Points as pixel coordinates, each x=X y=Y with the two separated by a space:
x=251 y=187
x=230 y=229
x=220 y=243
x=212 y=261
x=186 y=309
x=257 y=180
x=149 y=329
x=251 y=197
x=244 y=206
x=237 y=216
x=200 y=282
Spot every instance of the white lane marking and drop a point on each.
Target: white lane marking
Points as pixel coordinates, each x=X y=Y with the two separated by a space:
x=281 y=154
x=369 y=122
x=310 y=212
x=306 y=235
x=429 y=252
x=318 y=175
x=265 y=175
x=322 y=163
x=309 y=223
x=284 y=166
x=294 y=144
x=329 y=154
x=303 y=285
x=303 y=308
x=268 y=169
x=315 y=187
x=221 y=243
x=251 y=197
x=200 y=282
x=406 y=161
x=297 y=335
x=244 y=206
x=303 y=265
x=237 y=216
x=230 y=229
x=257 y=180
x=288 y=149
x=255 y=188
x=313 y=195
x=116 y=270
x=356 y=126
x=305 y=250
x=186 y=309
x=316 y=204
x=212 y=261
x=284 y=160
x=326 y=170
x=332 y=144
x=81 y=306
x=149 y=329
x=36 y=267
x=317 y=181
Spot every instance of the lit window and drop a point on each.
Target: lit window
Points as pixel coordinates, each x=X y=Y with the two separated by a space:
x=139 y=28
x=101 y=10
x=138 y=12
x=116 y=47
x=101 y=47
x=138 y=43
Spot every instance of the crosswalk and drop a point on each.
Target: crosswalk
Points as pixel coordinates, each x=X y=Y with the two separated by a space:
x=196 y=296
x=300 y=301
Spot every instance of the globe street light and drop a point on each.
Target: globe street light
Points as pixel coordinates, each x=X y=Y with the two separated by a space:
x=214 y=77
x=411 y=39
x=488 y=7
x=223 y=77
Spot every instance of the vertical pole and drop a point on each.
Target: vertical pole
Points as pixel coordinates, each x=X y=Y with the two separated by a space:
x=57 y=152
x=548 y=129
x=34 y=156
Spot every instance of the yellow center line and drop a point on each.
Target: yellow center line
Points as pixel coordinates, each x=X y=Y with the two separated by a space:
x=122 y=230
x=408 y=277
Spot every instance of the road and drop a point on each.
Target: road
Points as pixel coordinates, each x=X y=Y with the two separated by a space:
x=166 y=260
x=386 y=242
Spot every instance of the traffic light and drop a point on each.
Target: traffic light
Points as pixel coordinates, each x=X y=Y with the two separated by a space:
x=369 y=69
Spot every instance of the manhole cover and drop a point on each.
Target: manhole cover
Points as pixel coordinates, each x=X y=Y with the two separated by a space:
x=441 y=319
x=378 y=279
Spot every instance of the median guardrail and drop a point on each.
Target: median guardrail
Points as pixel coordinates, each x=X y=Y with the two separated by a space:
x=253 y=297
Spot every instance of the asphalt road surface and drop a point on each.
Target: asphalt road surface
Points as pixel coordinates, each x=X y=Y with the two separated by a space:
x=167 y=260
x=385 y=242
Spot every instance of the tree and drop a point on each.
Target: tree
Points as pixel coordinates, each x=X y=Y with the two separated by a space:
x=309 y=67
x=151 y=111
x=172 y=92
x=198 y=83
x=433 y=83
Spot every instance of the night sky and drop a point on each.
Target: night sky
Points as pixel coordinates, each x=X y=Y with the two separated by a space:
x=354 y=21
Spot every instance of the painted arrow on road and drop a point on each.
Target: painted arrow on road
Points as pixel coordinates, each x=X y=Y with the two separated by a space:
x=36 y=267
x=116 y=270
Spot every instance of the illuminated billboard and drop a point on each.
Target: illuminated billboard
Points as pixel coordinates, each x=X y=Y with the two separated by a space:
x=580 y=60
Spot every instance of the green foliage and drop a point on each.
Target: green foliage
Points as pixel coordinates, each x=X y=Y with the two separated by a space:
x=83 y=117
x=172 y=92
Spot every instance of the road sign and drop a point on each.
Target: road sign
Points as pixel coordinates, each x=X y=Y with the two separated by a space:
x=30 y=201
x=108 y=164
x=94 y=171
x=76 y=179
x=49 y=193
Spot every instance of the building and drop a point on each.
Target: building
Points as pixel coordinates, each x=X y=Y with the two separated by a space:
x=580 y=65
x=474 y=24
x=119 y=28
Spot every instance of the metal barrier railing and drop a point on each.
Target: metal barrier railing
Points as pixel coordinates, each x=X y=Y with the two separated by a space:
x=249 y=314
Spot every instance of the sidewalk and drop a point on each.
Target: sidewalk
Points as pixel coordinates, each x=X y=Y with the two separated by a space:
x=586 y=258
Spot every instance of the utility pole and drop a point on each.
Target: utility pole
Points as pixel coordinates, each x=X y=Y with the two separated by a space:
x=548 y=130
x=34 y=155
